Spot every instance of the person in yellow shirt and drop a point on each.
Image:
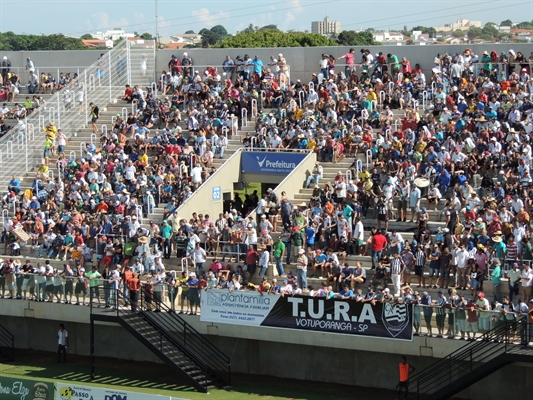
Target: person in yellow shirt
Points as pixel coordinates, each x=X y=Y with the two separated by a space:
x=371 y=96
x=421 y=146
x=298 y=114
x=311 y=144
x=364 y=174
x=143 y=158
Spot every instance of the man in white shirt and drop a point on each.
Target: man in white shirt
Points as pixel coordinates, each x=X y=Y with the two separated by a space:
x=316 y=174
x=196 y=176
x=62 y=343
x=527 y=282
x=359 y=236
x=221 y=144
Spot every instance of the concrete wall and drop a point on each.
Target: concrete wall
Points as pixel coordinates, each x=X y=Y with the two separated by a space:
x=50 y=61
x=304 y=61
x=297 y=178
x=282 y=353
x=201 y=200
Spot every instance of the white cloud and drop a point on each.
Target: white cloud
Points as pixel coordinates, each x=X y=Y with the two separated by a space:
x=210 y=19
x=102 y=20
x=296 y=8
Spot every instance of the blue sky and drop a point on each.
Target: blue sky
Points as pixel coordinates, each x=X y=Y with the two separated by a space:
x=75 y=17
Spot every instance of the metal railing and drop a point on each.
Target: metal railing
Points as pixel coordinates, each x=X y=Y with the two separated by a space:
x=465 y=360
x=175 y=329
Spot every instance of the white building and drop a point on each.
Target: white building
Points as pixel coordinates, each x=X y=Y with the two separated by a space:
x=326 y=27
x=387 y=36
x=113 y=34
x=463 y=24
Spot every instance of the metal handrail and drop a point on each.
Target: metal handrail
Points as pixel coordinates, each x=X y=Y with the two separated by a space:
x=492 y=343
x=192 y=339
x=176 y=330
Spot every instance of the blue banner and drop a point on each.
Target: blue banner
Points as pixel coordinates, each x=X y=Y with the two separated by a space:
x=270 y=162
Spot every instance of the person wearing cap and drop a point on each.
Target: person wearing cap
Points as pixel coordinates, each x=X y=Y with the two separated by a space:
x=483 y=305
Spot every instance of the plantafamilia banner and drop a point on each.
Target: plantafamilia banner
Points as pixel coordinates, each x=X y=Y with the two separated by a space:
x=257 y=162
x=67 y=391
x=25 y=389
x=383 y=320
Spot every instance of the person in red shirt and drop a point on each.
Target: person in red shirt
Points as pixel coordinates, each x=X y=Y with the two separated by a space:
x=252 y=256
x=379 y=243
x=469 y=213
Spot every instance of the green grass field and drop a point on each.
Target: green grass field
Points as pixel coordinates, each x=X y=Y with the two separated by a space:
x=153 y=378
x=250 y=187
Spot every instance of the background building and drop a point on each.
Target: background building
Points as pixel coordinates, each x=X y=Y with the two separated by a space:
x=462 y=24
x=326 y=27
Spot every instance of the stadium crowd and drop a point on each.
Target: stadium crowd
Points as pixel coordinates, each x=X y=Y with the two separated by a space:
x=455 y=139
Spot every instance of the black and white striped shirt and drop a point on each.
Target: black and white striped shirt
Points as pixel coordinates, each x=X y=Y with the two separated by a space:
x=396 y=265
x=420 y=258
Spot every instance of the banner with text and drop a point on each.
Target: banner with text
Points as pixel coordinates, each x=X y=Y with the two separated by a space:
x=393 y=321
x=25 y=389
x=66 y=391
x=276 y=163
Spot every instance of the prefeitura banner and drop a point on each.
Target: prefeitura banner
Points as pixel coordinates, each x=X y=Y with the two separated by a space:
x=384 y=320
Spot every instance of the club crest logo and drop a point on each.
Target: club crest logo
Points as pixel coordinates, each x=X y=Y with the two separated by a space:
x=395 y=317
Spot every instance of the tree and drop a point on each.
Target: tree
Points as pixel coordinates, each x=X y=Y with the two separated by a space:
x=490 y=29
x=486 y=37
x=474 y=32
x=146 y=36
x=219 y=30
x=440 y=39
x=210 y=38
x=189 y=32
x=352 y=38
x=524 y=25
x=270 y=27
x=458 y=33
x=507 y=22
x=87 y=36
x=250 y=29
x=271 y=38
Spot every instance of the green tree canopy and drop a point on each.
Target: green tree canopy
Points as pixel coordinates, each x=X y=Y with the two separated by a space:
x=474 y=32
x=87 y=36
x=525 y=25
x=11 y=42
x=146 y=36
x=458 y=33
x=209 y=38
x=352 y=38
x=219 y=30
x=490 y=29
x=507 y=22
x=189 y=32
x=271 y=27
x=270 y=38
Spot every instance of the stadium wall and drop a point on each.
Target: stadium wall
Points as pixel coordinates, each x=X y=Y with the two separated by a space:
x=275 y=352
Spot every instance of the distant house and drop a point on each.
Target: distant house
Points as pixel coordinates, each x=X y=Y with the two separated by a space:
x=183 y=39
x=98 y=43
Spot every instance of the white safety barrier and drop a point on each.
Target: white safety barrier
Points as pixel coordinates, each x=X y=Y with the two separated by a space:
x=368 y=158
x=254 y=108
x=244 y=117
x=82 y=149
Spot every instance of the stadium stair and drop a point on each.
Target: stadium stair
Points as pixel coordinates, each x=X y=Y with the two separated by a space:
x=7 y=345
x=471 y=363
x=174 y=341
